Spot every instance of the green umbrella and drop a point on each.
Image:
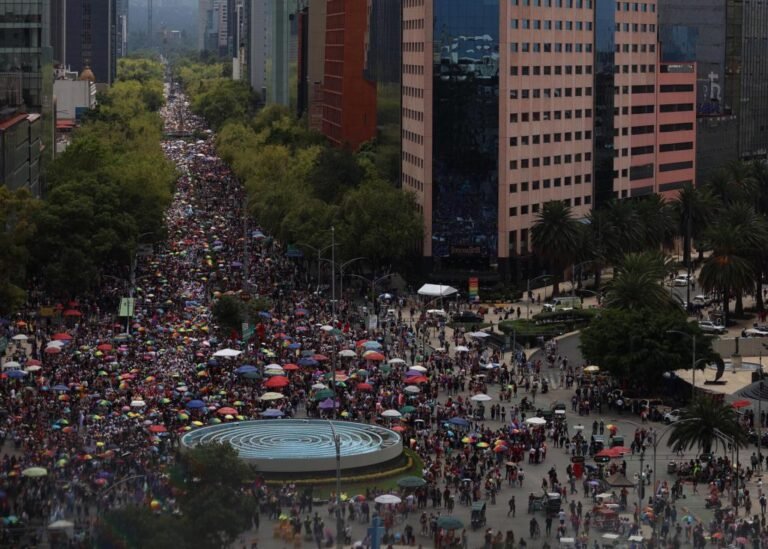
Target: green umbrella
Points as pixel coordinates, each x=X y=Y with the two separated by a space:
x=35 y=472
x=408 y=409
x=323 y=394
x=447 y=522
x=411 y=482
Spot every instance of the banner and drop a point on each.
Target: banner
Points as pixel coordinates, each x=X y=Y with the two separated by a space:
x=474 y=288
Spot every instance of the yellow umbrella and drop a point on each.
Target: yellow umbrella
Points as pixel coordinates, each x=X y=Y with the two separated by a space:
x=34 y=472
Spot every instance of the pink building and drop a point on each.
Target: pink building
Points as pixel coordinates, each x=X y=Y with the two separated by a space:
x=510 y=104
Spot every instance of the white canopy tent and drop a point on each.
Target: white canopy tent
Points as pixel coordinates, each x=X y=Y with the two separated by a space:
x=437 y=290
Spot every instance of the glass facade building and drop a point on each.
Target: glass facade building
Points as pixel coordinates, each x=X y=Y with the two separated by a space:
x=465 y=129
x=605 y=47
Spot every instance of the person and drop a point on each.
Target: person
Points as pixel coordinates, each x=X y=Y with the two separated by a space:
x=511 y=504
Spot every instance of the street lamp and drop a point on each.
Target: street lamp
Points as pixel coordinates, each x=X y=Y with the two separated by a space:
x=373 y=282
x=341 y=269
x=693 y=358
x=339 y=522
x=528 y=293
x=319 y=254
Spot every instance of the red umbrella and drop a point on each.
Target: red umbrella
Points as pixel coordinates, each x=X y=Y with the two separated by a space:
x=33 y=362
x=364 y=387
x=62 y=337
x=226 y=410
x=376 y=357
x=157 y=429
x=415 y=380
x=104 y=347
x=276 y=382
x=320 y=358
x=290 y=367
x=52 y=350
x=741 y=404
x=72 y=312
x=398 y=429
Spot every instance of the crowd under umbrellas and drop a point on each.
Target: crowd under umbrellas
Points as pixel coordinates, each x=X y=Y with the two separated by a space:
x=96 y=412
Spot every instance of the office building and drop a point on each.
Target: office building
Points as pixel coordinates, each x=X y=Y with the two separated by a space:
x=315 y=62
x=349 y=99
x=20 y=150
x=507 y=105
x=90 y=38
x=26 y=86
x=728 y=39
x=121 y=27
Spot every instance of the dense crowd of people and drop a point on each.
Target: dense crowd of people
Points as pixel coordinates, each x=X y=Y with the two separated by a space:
x=93 y=408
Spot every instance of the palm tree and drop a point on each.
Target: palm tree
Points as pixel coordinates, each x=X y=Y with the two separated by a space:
x=693 y=209
x=728 y=269
x=555 y=236
x=657 y=222
x=703 y=423
x=638 y=282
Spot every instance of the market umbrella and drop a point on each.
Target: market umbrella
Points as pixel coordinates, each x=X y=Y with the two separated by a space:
x=388 y=499
x=227 y=353
x=411 y=482
x=447 y=522
x=618 y=480
x=34 y=472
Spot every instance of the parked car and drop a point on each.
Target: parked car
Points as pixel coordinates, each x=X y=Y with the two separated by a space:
x=682 y=280
x=467 y=317
x=566 y=303
x=672 y=417
x=709 y=327
x=754 y=332
x=702 y=300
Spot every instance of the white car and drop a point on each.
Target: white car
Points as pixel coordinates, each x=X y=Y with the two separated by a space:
x=437 y=312
x=709 y=327
x=682 y=280
x=672 y=416
x=755 y=332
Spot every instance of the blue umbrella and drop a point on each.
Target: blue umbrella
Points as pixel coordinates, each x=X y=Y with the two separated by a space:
x=308 y=361
x=213 y=362
x=272 y=412
x=16 y=374
x=195 y=404
x=459 y=421
x=372 y=345
x=301 y=311
x=247 y=368
x=265 y=314
x=60 y=387
x=294 y=346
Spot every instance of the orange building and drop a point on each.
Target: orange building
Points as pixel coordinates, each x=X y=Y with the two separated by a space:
x=349 y=100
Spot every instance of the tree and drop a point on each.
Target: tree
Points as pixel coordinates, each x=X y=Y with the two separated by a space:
x=555 y=236
x=223 y=99
x=693 y=210
x=229 y=313
x=633 y=345
x=17 y=221
x=703 y=424
x=638 y=282
x=335 y=172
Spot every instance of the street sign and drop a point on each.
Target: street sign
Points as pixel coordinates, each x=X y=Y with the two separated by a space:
x=127 y=305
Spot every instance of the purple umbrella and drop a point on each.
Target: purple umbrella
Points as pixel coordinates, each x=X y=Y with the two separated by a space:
x=272 y=412
x=328 y=404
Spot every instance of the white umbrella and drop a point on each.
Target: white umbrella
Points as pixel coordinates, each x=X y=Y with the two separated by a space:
x=591 y=369
x=391 y=413
x=319 y=386
x=56 y=343
x=462 y=349
x=388 y=499
x=272 y=396
x=326 y=328
x=418 y=368
x=138 y=404
x=10 y=365
x=396 y=361
x=536 y=421
x=347 y=353
x=19 y=337
x=412 y=389
x=479 y=335
x=481 y=397
x=227 y=353
x=34 y=368
x=61 y=525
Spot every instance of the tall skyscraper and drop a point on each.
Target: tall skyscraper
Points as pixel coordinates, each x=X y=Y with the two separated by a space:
x=90 y=30
x=508 y=105
x=728 y=39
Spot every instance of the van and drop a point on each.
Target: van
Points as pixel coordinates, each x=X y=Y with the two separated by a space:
x=563 y=304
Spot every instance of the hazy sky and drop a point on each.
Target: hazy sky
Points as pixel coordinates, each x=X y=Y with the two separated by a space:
x=173 y=14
